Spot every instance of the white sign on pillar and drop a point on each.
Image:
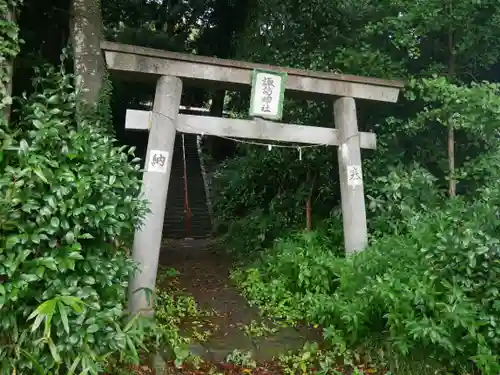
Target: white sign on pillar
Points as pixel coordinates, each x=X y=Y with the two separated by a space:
x=354 y=176
x=268 y=93
x=158 y=161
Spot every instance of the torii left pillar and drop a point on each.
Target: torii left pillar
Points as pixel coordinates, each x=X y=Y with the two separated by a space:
x=147 y=240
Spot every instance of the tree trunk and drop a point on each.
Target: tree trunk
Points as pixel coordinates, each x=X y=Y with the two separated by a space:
x=217 y=106
x=86 y=33
x=308 y=214
x=309 y=201
x=452 y=183
x=216 y=110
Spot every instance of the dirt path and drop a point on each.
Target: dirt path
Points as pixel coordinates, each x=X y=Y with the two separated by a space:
x=204 y=274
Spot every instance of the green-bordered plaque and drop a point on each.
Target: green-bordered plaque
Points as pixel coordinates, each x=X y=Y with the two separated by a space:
x=268 y=93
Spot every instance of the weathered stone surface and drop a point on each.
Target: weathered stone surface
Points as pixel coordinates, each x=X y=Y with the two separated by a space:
x=218 y=348
x=199 y=350
x=204 y=274
x=284 y=340
x=134 y=62
x=158 y=364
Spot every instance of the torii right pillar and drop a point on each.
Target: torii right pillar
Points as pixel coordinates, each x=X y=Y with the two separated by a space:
x=351 y=176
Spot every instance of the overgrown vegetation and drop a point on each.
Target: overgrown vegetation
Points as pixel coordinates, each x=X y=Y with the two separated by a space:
x=422 y=297
x=70 y=203
x=424 y=293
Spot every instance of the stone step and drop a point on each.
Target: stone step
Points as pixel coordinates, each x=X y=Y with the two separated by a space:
x=200 y=221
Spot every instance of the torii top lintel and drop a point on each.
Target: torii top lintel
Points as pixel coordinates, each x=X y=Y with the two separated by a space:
x=229 y=74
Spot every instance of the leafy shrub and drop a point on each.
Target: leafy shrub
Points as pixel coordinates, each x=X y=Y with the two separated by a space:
x=432 y=291
x=169 y=312
x=249 y=218
x=69 y=203
x=296 y=266
x=400 y=193
x=425 y=289
x=305 y=262
x=424 y=294
x=250 y=234
x=258 y=200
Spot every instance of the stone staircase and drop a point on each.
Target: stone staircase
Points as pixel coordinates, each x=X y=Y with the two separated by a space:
x=174 y=225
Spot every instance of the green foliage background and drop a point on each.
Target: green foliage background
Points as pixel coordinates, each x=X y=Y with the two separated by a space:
x=422 y=296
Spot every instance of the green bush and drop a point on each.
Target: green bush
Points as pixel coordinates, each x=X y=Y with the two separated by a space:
x=69 y=204
x=258 y=199
x=297 y=266
x=401 y=193
x=430 y=293
x=426 y=294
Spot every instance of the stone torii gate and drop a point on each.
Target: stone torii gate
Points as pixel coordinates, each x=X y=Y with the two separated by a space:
x=170 y=70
